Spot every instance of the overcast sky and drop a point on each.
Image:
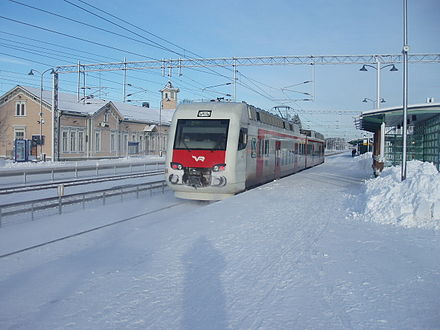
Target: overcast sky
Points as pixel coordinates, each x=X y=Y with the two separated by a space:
x=211 y=29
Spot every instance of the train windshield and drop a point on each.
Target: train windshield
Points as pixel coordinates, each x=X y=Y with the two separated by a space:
x=201 y=134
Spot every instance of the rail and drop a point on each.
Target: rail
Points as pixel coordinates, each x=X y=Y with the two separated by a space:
x=77 y=198
x=75 y=182
x=75 y=169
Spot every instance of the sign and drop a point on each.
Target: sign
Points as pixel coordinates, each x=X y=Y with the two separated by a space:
x=204 y=113
x=21 y=152
x=37 y=139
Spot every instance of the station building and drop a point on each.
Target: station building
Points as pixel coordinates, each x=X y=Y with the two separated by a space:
x=88 y=129
x=423 y=134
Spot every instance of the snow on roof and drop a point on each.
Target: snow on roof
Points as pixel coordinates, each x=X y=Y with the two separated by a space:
x=68 y=102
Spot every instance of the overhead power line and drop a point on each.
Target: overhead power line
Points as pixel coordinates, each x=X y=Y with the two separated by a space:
x=250 y=61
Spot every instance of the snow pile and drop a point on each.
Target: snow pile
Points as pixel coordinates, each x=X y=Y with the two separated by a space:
x=414 y=202
x=363 y=164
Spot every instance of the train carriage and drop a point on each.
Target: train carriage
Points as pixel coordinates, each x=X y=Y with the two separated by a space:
x=218 y=149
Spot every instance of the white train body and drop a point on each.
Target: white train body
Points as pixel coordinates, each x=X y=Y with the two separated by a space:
x=216 y=149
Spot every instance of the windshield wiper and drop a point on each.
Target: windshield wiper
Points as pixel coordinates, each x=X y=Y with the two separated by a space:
x=186 y=146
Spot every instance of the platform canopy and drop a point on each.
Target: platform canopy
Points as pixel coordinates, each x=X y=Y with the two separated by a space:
x=393 y=117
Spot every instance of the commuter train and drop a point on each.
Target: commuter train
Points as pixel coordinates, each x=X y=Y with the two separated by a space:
x=217 y=149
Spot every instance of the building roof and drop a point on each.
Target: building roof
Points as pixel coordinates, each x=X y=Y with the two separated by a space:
x=68 y=102
x=371 y=120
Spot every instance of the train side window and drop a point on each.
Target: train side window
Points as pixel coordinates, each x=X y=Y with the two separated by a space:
x=266 y=147
x=242 y=139
x=254 y=147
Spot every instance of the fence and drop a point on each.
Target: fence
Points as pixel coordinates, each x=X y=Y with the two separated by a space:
x=77 y=198
x=74 y=170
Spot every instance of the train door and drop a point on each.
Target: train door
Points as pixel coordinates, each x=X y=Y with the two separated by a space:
x=260 y=159
x=277 y=159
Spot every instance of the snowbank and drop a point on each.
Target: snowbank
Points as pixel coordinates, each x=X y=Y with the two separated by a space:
x=414 y=202
x=363 y=164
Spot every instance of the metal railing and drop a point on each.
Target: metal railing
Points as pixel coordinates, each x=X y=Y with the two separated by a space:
x=75 y=169
x=78 y=198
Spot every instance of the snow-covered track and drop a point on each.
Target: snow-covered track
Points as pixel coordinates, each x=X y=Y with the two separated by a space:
x=91 y=230
x=76 y=182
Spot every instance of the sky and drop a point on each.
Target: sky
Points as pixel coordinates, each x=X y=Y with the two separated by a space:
x=283 y=262
x=212 y=29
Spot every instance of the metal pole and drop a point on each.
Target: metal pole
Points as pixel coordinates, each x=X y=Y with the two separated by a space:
x=41 y=116
x=235 y=79
x=382 y=142
x=124 y=91
x=160 y=128
x=55 y=120
x=405 y=86
x=78 y=92
x=378 y=83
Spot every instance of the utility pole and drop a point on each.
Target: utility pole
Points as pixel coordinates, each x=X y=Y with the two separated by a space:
x=405 y=86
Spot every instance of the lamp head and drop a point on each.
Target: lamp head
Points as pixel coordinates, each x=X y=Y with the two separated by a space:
x=365 y=100
x=31 y=73
x=393 y=68
x=363 y=68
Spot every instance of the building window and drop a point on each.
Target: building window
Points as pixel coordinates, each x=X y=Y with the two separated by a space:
x=19 y=133
x=20 y=109
x=65 y=138
x=141 y=143
x=106 y=117
x=112 y=142
x=80 y=141
x=97 y=141
x=73 y=141
x=133 y=138
x=125 y=144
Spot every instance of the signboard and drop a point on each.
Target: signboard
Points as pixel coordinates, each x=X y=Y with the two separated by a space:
x=39 y=140
x=204 y=113
x=21 y=152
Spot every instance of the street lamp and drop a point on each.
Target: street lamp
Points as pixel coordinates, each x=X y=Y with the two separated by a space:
x=31 y=73
x=366 y=99
x=378 y=68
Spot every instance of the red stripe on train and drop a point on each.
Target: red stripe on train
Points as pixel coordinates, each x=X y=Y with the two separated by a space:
x=199 y=158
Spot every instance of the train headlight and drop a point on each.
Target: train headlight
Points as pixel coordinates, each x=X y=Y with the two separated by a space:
x=218 y=167
x=176 y=166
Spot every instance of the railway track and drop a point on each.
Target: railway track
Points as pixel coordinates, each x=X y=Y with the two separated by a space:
x=75 y=182
x=35 y=246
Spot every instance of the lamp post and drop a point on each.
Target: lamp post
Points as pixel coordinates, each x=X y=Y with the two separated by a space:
x=31 y=73
x=160 y=128
x=378 y=68
x=366 y=99
x=405 y=51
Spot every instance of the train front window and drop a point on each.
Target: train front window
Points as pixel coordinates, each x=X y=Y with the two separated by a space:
x=201 y=134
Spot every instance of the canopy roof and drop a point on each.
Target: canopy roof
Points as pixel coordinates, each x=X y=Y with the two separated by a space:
x=371 y=120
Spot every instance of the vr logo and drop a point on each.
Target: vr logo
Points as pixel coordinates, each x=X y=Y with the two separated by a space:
x=199 y=158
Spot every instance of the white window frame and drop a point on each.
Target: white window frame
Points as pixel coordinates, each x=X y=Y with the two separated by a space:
x=97 y=141
x=112 y=142
x=80 y=140
x=65 y=141
x=125 y=143
x=19 y=130
x=73 y=140
x=20 y=109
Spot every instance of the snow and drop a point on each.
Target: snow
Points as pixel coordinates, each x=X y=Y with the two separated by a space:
x=68 y=102
x=414 y=202
x=293 y=254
